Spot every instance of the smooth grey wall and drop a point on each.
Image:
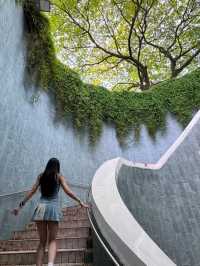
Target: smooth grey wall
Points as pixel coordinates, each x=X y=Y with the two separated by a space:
x=29 y=135
x=166 y=202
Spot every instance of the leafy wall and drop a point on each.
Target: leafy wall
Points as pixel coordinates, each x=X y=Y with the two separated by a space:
x=88 y=105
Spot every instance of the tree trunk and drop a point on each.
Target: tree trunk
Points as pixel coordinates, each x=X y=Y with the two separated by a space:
x=174 y=72
x=144 y=78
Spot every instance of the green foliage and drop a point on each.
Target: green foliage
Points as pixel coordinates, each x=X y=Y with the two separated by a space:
x=40 y=48
x=112 y=42
x=90 y=106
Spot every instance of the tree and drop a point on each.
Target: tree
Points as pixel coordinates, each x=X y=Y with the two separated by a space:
x=128 y=41
x=176 y=33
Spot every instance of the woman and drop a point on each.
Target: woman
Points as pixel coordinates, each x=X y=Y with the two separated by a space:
x=48 y=214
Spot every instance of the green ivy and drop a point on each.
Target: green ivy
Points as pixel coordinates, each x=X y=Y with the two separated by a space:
x=90 y=106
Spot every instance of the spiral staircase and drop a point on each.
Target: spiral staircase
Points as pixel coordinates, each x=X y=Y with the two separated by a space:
x=74 y=242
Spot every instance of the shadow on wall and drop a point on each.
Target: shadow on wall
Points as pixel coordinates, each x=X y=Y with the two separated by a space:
x=29 y=130
x=89 y=106
x=166 y=201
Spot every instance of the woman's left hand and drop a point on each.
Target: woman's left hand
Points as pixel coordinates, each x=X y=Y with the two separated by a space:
x=15 y=211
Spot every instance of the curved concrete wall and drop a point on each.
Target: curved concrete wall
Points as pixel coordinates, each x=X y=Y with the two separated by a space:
x=30 y=133
x=124 y=234
x=144 y=210
x=165 y=199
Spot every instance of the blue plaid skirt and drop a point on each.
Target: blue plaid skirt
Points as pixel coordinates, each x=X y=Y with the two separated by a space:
x=47 y=210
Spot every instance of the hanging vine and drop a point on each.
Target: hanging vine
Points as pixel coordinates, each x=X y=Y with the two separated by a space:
x=90 y=106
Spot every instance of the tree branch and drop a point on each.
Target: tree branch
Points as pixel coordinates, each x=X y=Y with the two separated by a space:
x=181 y=54
x=184 y=19
x=121 y=12
x=110 y=31
x=99 y=62
x=131 y=29
x=132 y=85
x=92 y=39
x=78 y=47
x=188 y=61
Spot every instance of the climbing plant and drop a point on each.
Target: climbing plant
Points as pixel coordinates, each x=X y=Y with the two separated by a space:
x=88 y=105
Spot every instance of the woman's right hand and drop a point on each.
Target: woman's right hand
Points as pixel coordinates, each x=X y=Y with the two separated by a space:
x=84 y=205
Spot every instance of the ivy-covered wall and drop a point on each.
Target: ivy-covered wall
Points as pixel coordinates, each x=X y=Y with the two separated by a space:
x=90 y=106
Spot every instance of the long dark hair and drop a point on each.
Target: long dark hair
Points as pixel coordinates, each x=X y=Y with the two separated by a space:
x=48 y=180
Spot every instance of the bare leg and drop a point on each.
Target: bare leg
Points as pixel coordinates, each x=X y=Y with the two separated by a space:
x=52 y=233
x=42 y=230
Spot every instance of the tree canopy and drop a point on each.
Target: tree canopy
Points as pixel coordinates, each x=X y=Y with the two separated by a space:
x=89 y=106
x=132 y=43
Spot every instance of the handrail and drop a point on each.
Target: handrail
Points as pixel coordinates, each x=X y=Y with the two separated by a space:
x=9 y=223
x=97 y=234
x=24 y=191
x=121 y=230
x=88 y=213
x=13 y=193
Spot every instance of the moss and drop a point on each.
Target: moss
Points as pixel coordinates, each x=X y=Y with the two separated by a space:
x=40 y=49
x=90 y=105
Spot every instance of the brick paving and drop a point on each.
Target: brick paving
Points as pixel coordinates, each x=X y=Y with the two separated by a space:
x=74 y=242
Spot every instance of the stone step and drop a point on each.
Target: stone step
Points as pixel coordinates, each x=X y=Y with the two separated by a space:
x=29 y=244
x=65 y=224
x=60 y=264
x=74 y=211
x=24 y=257
x=62 y=232
x=74 y=242
x=80 y=216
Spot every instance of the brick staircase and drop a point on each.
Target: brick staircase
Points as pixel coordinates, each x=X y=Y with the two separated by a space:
x=74 y=242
